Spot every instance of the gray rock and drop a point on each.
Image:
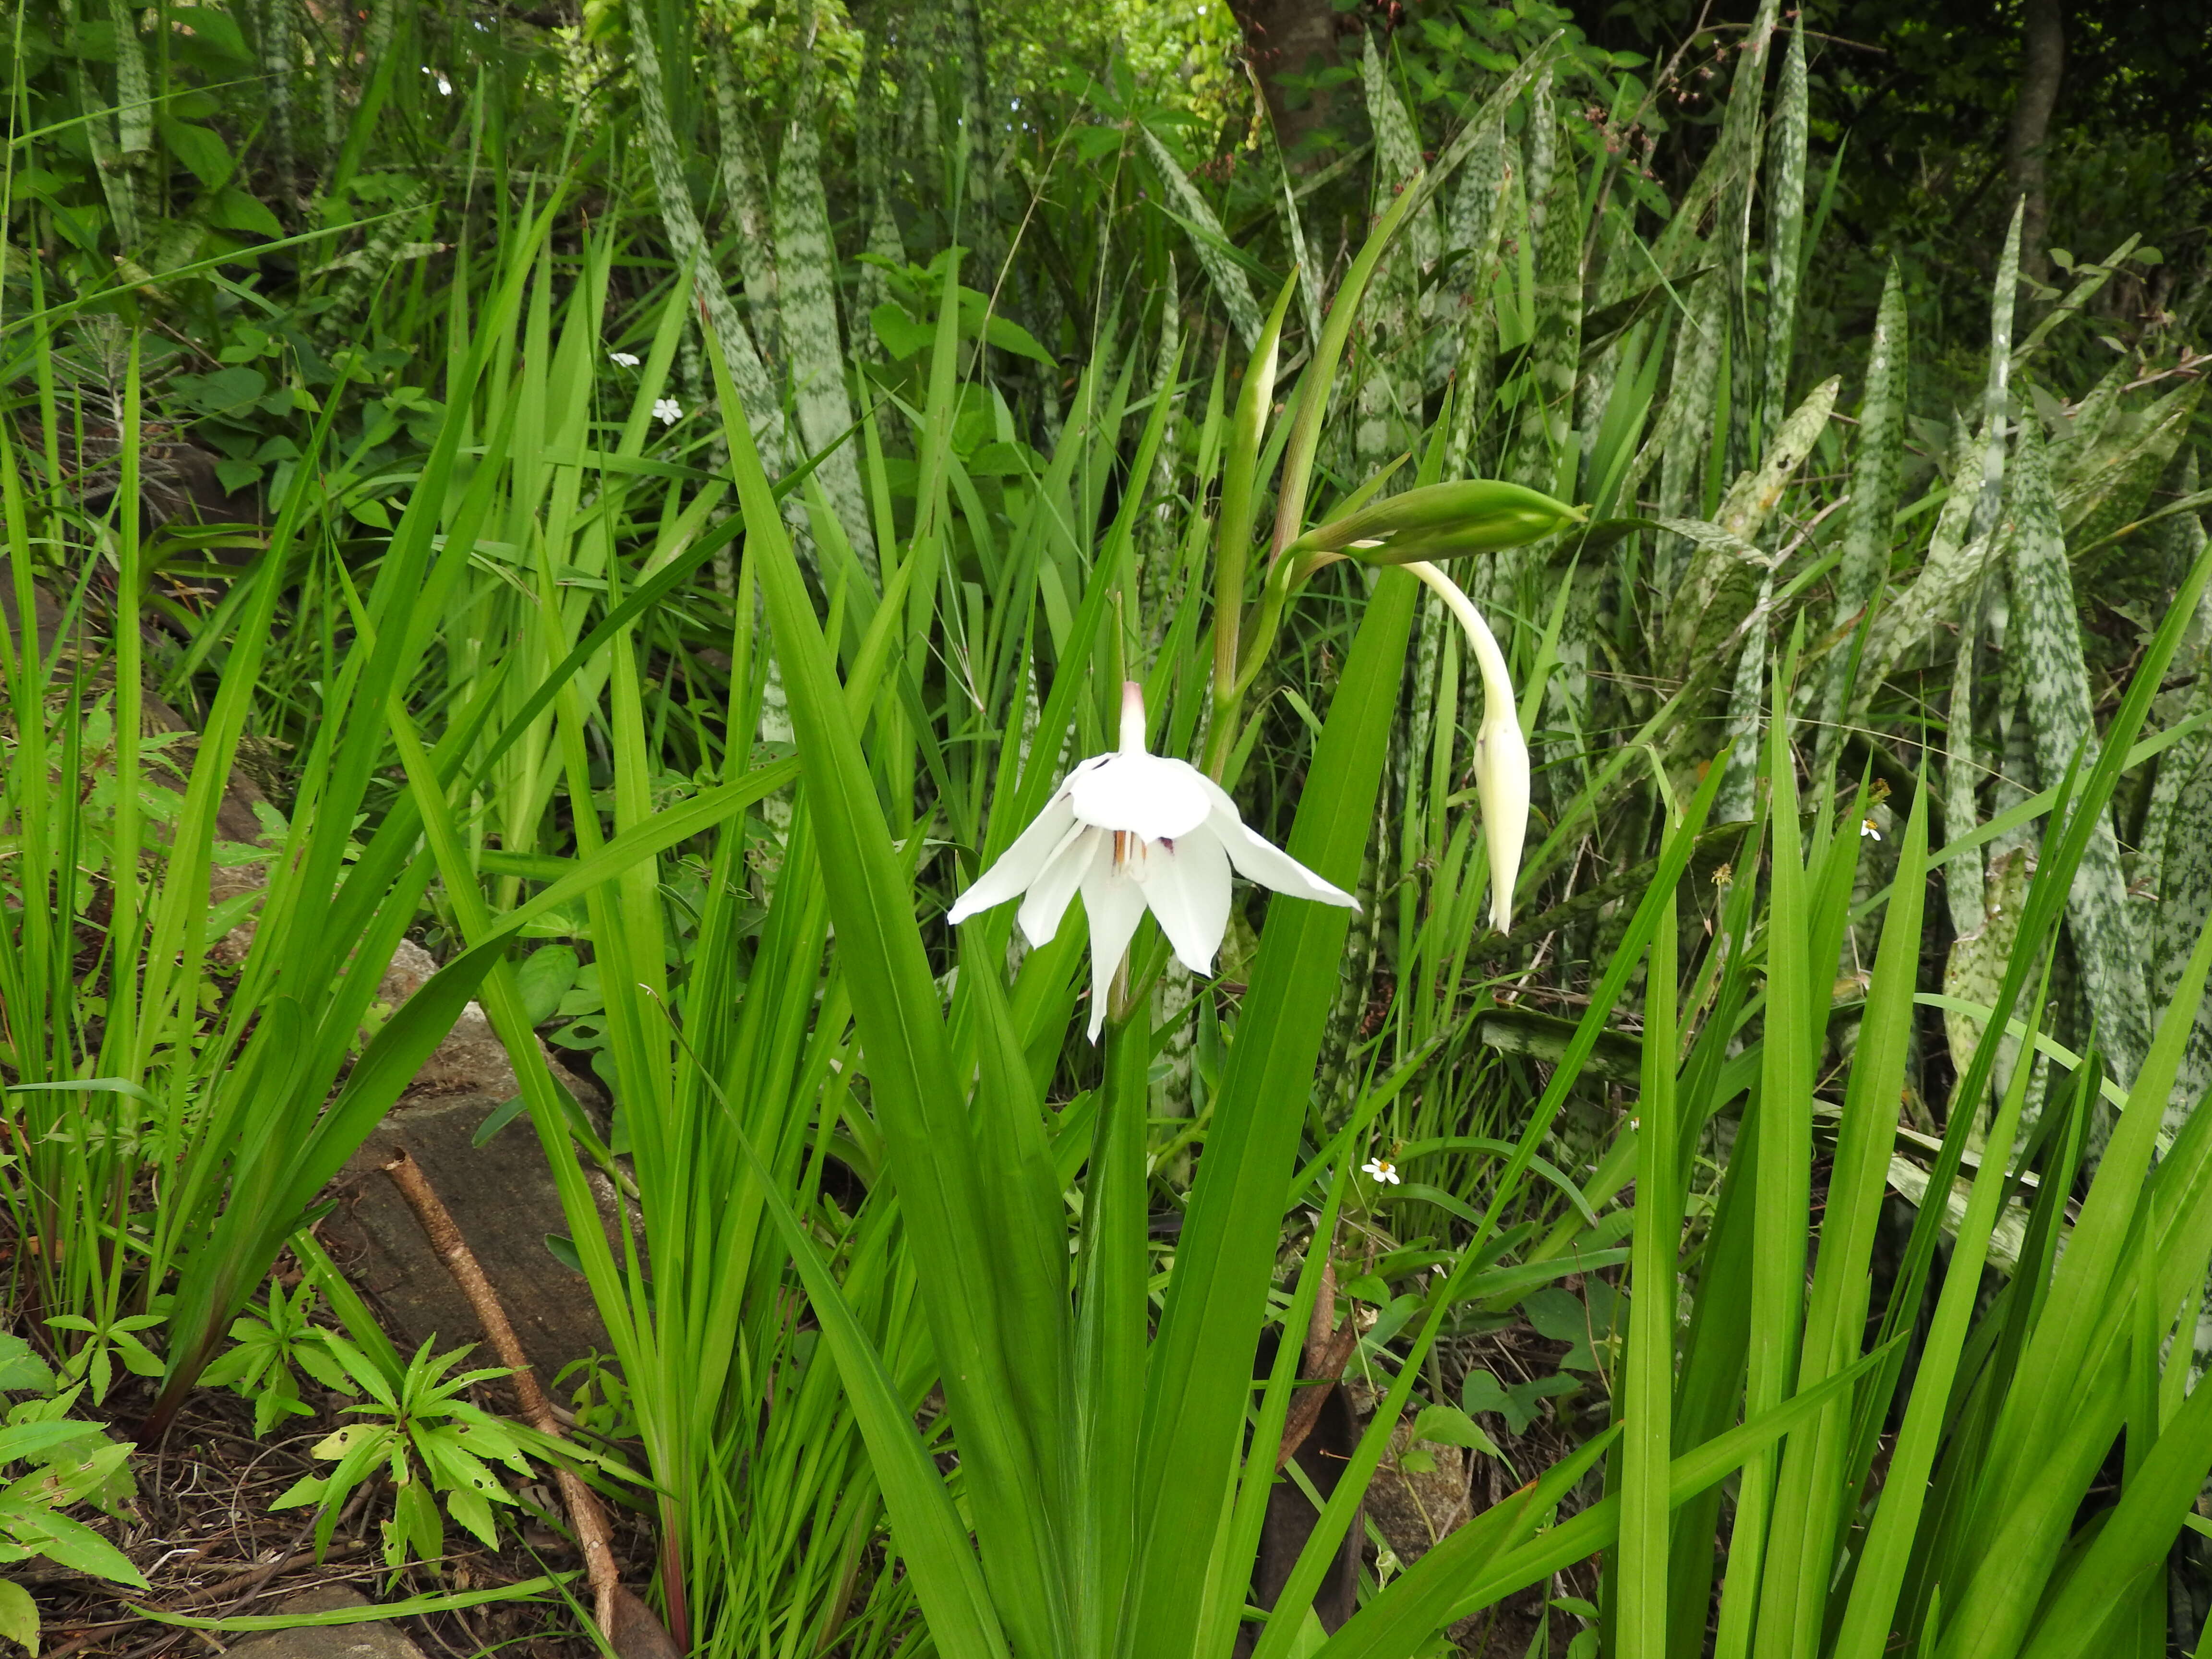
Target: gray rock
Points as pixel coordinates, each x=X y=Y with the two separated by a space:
x=503 y=1199
x=501 y=1195
x=371 y=1639
x=1413 y=1508
x=471 y=1061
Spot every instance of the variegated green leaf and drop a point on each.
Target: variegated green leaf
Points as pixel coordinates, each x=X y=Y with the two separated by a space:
x=1877 y=472
x=2111 y=483
x=1785 y=222
x=763 y=413
x=807 y=269
x=1691 y=411
x=1951 y=570
x=2173 y=870
x=745 y=183
x=1975 y=970
x=1208 y=242
x=1718 y=587
x=1733 y=805
x=2046 y=633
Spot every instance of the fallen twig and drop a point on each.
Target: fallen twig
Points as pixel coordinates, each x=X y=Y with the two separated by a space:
x=628 y=1624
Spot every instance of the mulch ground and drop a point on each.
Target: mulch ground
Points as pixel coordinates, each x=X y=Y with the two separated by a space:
x=202 y=1531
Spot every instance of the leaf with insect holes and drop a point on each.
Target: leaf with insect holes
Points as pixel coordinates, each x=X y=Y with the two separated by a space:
x=452 y=1466
x=486 y=1437
x=344 y=1443
x=74 y=1478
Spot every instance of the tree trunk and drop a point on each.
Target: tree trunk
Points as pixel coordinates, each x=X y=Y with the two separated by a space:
x=1290 y=38
x=2027 y=141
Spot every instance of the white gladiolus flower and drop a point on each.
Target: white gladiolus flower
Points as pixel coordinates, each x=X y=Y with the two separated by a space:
x=1501 y=753
x=623 y=359
x=1133 y=831
x=1383 y=1169
x=668 y=411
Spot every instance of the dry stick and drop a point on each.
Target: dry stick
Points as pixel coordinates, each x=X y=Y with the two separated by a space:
x=1305 y=1410
x=1328 y=1350
x=614 y=1607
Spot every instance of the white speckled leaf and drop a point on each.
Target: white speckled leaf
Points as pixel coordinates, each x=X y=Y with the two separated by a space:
x=2046 y=633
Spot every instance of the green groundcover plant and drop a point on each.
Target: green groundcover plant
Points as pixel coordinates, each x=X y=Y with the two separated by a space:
x=1570 y=814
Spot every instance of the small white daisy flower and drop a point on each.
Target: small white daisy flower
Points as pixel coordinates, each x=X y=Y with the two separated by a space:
x=668 y=411
x=1867 y=829
x=623 y=359
x=1383 y=1169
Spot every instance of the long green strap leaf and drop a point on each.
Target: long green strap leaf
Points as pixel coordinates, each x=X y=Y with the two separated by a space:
x=919 y=1102
x=1200 y=1365
x=1813 y=1470
x=927 y=1528
x=1647 y=1394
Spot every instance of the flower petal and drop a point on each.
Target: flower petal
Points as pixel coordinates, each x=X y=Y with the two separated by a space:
x=1020 y=864
x=1055 y=883
x=1257 y=859
x=1187 y=884
x=1148 y=795
x=1114 y=905
x=1501 y=784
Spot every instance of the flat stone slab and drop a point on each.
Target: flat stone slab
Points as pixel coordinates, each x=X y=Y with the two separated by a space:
x=372 y=1638
x=502 y=1198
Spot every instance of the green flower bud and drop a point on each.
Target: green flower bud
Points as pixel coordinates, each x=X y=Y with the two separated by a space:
x=1442 y=521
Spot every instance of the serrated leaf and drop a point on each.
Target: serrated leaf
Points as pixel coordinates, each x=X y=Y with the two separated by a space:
x=416 y=1512
x=318 y=1361
x=491 y=1439
x=77 y=1547
x=21 y=1367
x=37 y=1439
x=469 y=1509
